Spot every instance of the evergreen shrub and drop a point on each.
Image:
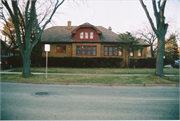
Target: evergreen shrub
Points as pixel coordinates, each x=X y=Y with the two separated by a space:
x=76 y=62
x=148 y=63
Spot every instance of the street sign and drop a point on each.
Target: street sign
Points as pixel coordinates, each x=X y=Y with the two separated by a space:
x=47 y=47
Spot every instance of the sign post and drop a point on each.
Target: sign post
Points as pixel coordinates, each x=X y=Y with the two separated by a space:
x=47 y=49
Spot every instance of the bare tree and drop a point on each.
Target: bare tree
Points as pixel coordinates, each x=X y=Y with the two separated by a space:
x=9 y=31
x=148 y=35
x=24 y=42
x=160 y=31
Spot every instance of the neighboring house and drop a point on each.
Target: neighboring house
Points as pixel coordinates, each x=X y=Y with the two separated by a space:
x=12 y=51
x=87 y=41
x=4 y=47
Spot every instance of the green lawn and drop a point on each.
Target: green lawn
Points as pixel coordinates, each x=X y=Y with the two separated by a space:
x=101 y=70
x=152 y=79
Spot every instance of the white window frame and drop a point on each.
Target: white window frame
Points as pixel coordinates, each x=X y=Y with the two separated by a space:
x=86 y=35
x=119 y=51
x=91 y=35
x=81 y=35
x=131 y=52
x=139 y=53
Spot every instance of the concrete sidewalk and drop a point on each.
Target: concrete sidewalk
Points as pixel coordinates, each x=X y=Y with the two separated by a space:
x=84 y=74
x=93 y=84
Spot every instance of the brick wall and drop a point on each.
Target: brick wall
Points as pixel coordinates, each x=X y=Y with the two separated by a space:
x=98 y=49
x=53 y=52
x=71 y=51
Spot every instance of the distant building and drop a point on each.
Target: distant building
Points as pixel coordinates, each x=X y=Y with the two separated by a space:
x=12 y=51
x=87 y=41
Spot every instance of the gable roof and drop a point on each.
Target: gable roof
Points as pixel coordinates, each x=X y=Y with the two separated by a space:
x=87 y=25
x=60 y=34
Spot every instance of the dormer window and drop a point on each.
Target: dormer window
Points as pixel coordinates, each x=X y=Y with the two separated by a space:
x=86 y=35
x=81 y=35
x=91 y=35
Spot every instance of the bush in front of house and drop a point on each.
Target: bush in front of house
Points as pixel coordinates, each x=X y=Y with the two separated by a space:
x=169 y=62
x=147 y=63
x=82 y=62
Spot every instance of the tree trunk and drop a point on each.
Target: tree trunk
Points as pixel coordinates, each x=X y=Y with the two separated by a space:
x=26 y=63
x=152 y=52
x=160 y=54
x=128 y=59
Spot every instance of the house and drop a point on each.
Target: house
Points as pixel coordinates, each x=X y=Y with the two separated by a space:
x=87 y=41
x=7 y=50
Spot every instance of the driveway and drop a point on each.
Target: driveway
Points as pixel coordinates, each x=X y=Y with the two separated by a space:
x=60 y=102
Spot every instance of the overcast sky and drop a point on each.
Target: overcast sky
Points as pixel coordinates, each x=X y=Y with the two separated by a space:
x=120 y=15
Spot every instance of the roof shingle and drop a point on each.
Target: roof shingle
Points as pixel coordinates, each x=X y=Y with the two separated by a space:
x=62 y=34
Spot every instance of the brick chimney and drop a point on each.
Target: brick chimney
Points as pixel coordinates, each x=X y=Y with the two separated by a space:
x=69 y=25
x=110 y=28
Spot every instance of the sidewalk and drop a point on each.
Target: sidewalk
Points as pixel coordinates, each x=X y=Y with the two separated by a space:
x=93 y=84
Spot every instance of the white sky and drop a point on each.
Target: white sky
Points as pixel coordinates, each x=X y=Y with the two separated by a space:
x=121 y=15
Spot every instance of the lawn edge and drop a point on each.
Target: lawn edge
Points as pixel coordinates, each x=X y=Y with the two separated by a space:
x=92 y=84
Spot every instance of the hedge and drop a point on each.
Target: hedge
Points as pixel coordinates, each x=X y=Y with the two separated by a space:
x=147 y=63
x=75 y=62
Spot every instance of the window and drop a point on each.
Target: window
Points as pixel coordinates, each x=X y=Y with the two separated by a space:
x=120 y=51
x=105 y=50
x=113 y=51
x=86 y=50
x=131 y=52
x=83 y=50
x=110 y=50
x=94 y=51
x=16 y=54
x=61 y=49
x=78 y=50
x=91 y=35
x=86 y=35
x=139 y=52
x=81 y=35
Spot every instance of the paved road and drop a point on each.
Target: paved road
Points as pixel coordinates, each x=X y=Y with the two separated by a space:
x=20 y=102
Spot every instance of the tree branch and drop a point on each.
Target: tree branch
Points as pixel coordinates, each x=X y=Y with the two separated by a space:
x=149 y=18
x=26 y=13
x=15 y=19
x=39 y=34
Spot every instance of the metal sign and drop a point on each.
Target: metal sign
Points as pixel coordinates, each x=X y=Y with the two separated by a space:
x=47 y=47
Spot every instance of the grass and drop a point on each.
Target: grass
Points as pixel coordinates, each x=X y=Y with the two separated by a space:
x=101 y=70
x=152 y=79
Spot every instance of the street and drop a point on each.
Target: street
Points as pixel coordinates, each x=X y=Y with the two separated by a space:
x=21 y=101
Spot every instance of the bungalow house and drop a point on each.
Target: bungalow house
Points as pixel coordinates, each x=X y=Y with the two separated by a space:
x=87 y=41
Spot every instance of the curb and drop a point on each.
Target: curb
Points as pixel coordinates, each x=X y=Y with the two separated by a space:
x=93 y=84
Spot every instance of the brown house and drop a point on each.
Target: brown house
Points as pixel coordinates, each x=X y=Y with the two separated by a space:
x=87 y=41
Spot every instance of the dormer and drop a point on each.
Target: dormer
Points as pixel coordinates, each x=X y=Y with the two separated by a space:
x=86 y=32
